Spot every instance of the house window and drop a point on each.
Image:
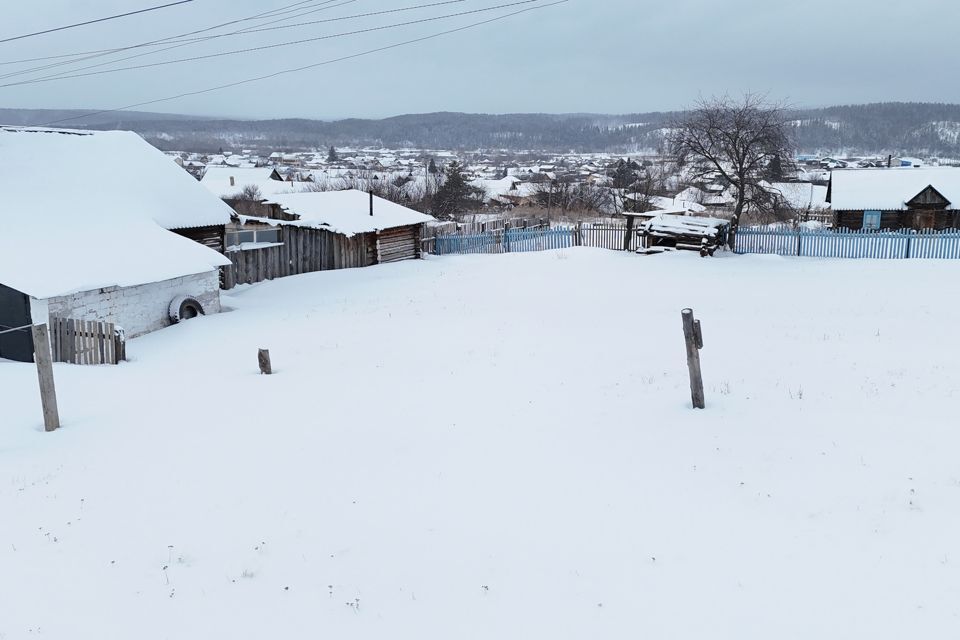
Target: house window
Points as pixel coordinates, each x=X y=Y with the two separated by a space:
x=257 y=236
x=871 y=220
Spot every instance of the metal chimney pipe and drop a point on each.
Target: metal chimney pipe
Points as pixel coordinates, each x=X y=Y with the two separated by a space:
x=371 y=203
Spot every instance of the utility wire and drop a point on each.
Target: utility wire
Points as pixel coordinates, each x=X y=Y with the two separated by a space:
x=83 y=24
x=247 y=30
x=60 y=74
x=264 y=47
x=315 y=65
x=297 y=6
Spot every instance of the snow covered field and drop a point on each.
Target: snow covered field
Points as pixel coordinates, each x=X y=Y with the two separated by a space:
x=501 y=447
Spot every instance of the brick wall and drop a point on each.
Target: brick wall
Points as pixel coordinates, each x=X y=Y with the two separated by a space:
x=140 y=309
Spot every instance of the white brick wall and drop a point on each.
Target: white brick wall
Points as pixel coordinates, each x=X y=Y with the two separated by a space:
x=139 y=309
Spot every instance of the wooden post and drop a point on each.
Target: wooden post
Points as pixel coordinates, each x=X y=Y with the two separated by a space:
x=629 y=232
x=48 y=392
x=694 y=339
x=263 y=357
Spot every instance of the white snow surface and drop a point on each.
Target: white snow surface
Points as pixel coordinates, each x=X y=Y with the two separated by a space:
x=890 y=189
x=694 y=225
x=217 y=181
x=348 y=211
x=802 y=195
x=453 y=448
x=61 y=173
x=104 y=224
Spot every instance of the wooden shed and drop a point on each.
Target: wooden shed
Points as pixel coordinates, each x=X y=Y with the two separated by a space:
x=296 y=233
x=899 y=198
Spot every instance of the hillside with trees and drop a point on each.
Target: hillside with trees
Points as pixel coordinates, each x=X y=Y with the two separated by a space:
x=898 y=128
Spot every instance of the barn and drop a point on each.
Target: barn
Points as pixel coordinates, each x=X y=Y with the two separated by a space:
x=900 y=198
x=296 y=233
x=118 y=235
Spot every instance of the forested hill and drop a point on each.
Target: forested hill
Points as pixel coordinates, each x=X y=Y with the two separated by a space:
x=900 y=128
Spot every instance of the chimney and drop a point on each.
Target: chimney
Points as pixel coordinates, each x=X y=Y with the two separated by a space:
x=889 y=161
x=371 y=203
x=232 y=181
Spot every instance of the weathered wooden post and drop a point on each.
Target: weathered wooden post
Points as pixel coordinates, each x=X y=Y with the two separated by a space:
x=48 y=392
x=694 y=340
x=263 y=358
x=628 y=233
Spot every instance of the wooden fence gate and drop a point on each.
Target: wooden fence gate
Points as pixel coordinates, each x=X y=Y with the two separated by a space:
x=86 y=341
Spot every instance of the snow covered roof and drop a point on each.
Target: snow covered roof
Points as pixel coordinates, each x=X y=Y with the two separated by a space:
x=802 y=195
x=347 y=212
x=891 y=189
x=100 y=173
x=217 y=181
x=101 y=222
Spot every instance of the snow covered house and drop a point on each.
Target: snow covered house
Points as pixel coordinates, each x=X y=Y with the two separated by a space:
x=295 y=233
x=906 y=198
x=230 y=182
x=118 y=237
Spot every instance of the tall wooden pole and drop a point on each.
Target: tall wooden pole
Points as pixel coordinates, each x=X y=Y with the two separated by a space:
x=694 y=340
x=48 y=392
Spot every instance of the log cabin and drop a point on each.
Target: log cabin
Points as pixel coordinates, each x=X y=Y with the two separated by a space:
x=294 y=233
x=898 y=198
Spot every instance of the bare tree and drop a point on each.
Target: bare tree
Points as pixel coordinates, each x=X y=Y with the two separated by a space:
x=736 y=141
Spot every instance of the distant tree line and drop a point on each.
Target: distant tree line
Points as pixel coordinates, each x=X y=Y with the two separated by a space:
x=898 y=128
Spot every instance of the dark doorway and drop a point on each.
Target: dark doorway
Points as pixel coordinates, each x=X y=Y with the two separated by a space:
x=15 y=312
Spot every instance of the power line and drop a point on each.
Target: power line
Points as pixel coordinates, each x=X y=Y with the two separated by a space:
x=309 y=66
x=255 y=29
x=72 y=75
x=267 y=14
x=58 y=75
x=83 y=24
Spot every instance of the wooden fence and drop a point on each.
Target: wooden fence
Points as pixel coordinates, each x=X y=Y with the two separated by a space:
x=504 y=241
x=903 y=244
x=598 y=235
x=304 y=250
x=86 y=341
x=607 y=236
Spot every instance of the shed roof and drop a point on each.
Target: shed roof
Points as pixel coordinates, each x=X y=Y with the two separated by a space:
x=347 y=212
x=217 y=181
x=891 y=189
x=100 y=222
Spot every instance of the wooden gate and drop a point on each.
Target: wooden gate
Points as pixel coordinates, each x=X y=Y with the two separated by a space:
x=86 y=341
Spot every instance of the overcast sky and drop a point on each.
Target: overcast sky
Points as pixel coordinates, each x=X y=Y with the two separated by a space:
x=606 y=56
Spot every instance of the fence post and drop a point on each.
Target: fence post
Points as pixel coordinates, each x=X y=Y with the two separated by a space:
x=627 y=233
x=694 y=340
x=909 y=237
x=263 y=359
x=48 y=392
x=799 y=240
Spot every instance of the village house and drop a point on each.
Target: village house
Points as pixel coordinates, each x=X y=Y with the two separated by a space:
x=122 y=235
x=904 y=198
x=293 y=233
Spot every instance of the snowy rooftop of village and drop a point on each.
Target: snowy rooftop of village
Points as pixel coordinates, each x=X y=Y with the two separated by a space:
x=226 y=182
x=347 y=212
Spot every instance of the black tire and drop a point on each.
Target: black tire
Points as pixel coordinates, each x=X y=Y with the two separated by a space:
x=185 y=308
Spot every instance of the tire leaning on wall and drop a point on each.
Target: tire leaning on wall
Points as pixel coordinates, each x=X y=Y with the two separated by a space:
x=184 y=308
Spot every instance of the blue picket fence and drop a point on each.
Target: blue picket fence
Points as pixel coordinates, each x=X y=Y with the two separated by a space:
x=826 y=243
x=509 y=241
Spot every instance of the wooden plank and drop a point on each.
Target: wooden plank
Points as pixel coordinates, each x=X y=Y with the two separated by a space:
x=48 y=391
x=694 y=342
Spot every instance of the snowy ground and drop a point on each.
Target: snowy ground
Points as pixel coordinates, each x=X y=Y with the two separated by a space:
x=501 y=447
